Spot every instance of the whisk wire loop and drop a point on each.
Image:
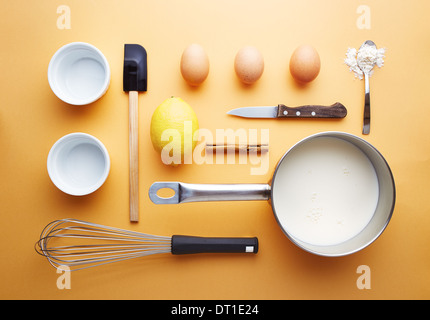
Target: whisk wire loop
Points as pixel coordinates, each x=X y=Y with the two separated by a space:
x=95 y=244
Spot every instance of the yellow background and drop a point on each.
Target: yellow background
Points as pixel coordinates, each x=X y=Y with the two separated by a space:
x=32 y=118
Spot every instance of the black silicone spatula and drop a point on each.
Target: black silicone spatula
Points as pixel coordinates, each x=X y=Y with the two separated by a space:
x=134 y=81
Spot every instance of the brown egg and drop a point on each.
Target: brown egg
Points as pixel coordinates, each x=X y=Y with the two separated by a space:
x=305 y=64
x=194 y=65
x=249 y=64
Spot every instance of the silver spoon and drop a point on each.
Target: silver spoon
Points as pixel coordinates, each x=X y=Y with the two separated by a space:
x=366 y=71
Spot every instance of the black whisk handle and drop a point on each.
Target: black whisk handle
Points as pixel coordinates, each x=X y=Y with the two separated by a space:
x=191 y=244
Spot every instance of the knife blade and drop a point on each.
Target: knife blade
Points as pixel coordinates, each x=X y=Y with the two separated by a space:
x=336 y=110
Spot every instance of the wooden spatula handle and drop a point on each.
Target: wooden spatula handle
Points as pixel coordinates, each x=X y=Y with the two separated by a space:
x=134 y=156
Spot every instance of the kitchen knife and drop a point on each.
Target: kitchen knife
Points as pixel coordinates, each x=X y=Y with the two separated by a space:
x=336 y=110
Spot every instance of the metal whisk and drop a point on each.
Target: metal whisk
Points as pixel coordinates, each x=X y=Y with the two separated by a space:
x=80 y=245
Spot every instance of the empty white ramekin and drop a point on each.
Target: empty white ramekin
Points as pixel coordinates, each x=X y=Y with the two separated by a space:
x=79 y=73
x=78 y=164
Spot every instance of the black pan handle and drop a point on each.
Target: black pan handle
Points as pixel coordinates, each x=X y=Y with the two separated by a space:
x=190 y=244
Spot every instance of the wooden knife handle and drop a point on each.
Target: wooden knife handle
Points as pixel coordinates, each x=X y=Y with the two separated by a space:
x=336 y=110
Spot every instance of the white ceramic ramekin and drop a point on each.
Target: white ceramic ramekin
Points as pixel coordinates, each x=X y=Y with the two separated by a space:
x=78 y=164
x=79 y=73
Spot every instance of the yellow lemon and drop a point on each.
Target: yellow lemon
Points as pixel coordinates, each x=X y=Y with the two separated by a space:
x=173 y=125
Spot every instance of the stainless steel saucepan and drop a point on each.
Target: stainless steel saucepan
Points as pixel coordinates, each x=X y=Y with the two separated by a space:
x=379 y=218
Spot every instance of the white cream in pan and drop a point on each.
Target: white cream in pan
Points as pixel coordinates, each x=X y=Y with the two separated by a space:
x=326 y=191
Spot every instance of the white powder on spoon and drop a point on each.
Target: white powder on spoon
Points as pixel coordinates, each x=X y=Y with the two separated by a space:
x=366 y=57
